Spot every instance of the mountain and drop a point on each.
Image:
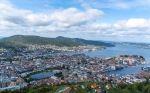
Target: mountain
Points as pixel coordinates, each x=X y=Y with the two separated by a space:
x=22 y=40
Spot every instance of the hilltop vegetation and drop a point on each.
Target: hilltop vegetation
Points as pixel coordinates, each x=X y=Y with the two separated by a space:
x=82 y=87
x=133 y=88
x=24 y=40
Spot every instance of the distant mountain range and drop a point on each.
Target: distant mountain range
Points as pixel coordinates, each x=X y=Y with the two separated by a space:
x=22 y=40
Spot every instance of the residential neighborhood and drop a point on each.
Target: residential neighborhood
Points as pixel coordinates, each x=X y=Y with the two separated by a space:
x=52 y=67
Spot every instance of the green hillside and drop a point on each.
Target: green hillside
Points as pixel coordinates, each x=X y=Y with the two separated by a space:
x=22 y=40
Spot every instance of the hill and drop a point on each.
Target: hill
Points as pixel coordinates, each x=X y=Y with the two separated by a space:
x=23 y=40
x=143 y=87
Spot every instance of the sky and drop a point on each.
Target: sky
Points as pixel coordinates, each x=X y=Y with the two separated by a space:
x=110 y=20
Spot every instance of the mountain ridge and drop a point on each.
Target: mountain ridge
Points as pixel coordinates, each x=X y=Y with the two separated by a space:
x=21 y=40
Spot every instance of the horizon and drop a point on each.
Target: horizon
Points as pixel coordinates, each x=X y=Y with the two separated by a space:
x=112 y=20
x=1 y=37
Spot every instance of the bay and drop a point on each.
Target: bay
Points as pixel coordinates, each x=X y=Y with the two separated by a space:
x=123 y=49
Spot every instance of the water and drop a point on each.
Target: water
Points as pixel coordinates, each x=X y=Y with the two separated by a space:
x=42 y=75
x=121 y=49
x=127 y=70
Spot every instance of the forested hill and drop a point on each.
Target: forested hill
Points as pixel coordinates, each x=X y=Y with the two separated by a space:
x=21 y=40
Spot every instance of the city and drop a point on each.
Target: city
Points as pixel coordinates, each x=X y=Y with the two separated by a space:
x=74 y=46
x=47 y=66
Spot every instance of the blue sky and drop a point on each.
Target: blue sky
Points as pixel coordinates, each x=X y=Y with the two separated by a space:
x=113 y=20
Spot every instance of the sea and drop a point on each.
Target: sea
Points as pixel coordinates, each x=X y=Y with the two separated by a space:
x=123 y=49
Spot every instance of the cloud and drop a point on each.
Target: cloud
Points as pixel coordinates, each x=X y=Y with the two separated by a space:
x=133 y=27
x=59 y=17
x=133 y=23
x=73 y=16
x=56 y=20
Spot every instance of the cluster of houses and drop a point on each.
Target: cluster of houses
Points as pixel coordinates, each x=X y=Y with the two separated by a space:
x=16 y=69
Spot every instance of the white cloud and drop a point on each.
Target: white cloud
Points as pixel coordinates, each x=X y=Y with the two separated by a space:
x=133 y=27
x=60 y=17
x=56 y=20
x=73 y=16
x=133 y=23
